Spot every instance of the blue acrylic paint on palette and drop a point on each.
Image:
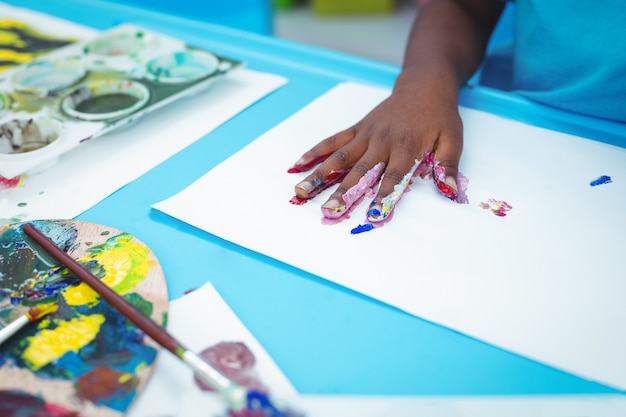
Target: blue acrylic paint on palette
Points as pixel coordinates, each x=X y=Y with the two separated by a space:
x=604 y=179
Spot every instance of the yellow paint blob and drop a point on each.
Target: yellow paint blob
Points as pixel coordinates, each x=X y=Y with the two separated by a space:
x=126 y=264
x=124 y=378
x=81 y=294
x=69 y=336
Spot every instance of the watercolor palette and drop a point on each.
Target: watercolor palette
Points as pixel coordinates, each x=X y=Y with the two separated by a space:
x=84 y=358
x=86 y=89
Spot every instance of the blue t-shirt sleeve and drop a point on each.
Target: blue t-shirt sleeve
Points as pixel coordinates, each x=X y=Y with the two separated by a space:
x=571 y=54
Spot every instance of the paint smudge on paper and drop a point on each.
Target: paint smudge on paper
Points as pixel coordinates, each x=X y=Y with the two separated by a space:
x=298 y=201
x=9 y=183
x=499 y=208
x=603 y=179
x=362 y=228
x=235 y=361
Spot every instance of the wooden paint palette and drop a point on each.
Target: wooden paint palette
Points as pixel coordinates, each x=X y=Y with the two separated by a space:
x=84 y=358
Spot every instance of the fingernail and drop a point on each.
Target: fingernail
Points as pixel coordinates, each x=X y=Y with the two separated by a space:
x=333 y=208
x=374 y=214
x=333 y=204
x=448 y=187
x=305 y=187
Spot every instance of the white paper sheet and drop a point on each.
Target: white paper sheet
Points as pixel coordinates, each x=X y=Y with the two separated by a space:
x=171 y=391
x=198 y=320
x=94 y=170
x=504 y=406
x=546 y=281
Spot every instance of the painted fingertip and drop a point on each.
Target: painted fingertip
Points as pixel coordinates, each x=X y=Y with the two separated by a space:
x=448 y=187
x=304 y=164
x=297 y=167
x=375 y=214
x=333 y=208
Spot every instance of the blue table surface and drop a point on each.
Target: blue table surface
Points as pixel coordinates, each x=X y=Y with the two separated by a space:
x=325 y=338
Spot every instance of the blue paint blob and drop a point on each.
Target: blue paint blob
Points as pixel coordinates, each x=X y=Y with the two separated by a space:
x=373 y=212
x=362 y=228
x=604 y=179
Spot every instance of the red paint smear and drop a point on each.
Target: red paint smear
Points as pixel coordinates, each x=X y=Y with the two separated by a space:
x=331 y=179
x=6 y=183
x=336 y=176
x=446 y=190
x=305 y=167
x=298 y=201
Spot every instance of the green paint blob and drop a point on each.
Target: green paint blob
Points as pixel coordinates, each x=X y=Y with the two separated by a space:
x=140 y=303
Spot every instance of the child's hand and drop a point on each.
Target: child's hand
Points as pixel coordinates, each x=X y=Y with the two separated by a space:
x=420 y=118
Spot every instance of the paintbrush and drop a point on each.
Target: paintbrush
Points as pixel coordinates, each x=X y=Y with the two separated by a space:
x=34 y=314
x=241 y=401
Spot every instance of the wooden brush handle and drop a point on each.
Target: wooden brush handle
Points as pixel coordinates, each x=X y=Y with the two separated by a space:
x=143 y=322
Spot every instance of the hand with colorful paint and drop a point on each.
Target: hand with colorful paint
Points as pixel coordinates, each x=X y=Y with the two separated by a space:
x=415 y=131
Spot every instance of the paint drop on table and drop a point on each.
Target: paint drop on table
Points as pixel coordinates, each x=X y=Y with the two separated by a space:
x=362 y=228
x=604 y=179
